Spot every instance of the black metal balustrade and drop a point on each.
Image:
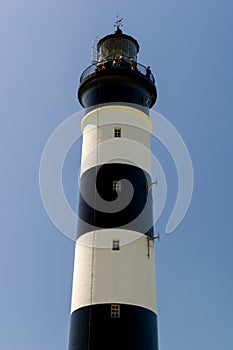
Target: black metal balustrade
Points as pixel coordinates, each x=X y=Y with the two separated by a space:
x=117 y=63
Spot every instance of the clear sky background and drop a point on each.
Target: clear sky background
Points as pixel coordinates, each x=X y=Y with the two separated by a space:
x=44 y=47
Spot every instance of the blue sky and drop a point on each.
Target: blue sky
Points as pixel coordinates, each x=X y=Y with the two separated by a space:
x=44 y=47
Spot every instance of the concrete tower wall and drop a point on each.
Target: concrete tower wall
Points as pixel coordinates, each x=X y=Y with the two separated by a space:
x=114 y=296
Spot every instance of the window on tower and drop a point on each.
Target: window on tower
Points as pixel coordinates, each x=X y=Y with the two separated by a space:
x=117 y=132
x=116 y=244
x=115 y=311
x=116 y=186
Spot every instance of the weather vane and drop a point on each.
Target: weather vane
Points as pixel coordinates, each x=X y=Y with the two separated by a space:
x=118 y=23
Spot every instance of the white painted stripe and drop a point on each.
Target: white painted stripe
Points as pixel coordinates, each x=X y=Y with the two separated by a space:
x=102 y=275
x=116 y=113
x=122 y=151
x=100 y=146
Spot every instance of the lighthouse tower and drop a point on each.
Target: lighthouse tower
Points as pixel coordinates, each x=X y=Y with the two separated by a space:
x=114 y=295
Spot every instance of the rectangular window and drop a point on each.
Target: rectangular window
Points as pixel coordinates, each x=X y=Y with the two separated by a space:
x=116 y=186
x=116 y=244
x=117 y=132
x=115 y=311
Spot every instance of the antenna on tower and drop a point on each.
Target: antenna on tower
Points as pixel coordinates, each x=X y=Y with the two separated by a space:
x=94 y=50
x=118 y=23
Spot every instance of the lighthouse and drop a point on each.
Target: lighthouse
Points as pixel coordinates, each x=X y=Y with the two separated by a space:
x=114 y=290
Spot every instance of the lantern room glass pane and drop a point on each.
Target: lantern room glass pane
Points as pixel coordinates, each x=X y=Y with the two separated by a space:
x=132 y=51
x=115 y=47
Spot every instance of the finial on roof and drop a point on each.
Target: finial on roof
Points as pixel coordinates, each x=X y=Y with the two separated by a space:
x=118 y=24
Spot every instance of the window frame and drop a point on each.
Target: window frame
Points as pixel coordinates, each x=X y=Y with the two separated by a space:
x=117 y=132
x=115 y=244
x=115 y=311
x=116 y=185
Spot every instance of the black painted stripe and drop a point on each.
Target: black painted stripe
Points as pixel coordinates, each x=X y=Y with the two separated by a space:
x=92 y=328
x=117 y=85
x=102 y=177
